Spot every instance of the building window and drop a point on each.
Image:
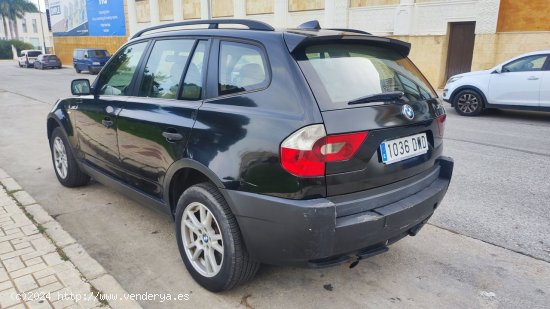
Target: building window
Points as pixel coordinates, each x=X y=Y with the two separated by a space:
x=222 y=8
x=362 y=3
x=192 y=9
x=34 y=26
x=24 y=25
x=300 y=5
x=259 y=7
x=166 y=9
x=35 y=42
x=143 y=12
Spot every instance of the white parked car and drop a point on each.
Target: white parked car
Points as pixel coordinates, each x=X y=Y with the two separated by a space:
x=27 y=58
x=520 y=83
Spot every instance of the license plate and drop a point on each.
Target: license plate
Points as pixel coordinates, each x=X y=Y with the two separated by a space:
x=400 y=149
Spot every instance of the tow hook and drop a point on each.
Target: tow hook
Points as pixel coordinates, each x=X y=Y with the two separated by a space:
x=354 y=263
x=369 y=252
x=415 y=229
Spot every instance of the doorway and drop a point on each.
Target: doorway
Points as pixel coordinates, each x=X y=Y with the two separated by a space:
x=461 y=48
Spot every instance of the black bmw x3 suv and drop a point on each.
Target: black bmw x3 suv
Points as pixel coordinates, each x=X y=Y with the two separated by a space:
x=306 y=147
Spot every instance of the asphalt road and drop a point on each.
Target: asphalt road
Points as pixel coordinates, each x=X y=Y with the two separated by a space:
x=488 y=244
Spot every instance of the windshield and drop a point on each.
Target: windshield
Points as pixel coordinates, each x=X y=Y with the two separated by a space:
x=98 y=53
x=340 y=73
x=33 y=53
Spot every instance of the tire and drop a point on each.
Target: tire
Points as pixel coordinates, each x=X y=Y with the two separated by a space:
x=73 y=176
x=77 y=70
x=233 y=264
x=468 y=103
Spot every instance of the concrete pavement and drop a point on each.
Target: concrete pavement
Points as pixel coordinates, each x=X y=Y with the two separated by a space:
x=499 y=195
x=42 y=266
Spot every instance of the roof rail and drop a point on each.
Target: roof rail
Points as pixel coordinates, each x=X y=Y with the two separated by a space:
x=350 y=30
x=213 y=24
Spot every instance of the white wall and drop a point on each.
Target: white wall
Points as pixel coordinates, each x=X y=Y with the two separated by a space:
x=406 y=18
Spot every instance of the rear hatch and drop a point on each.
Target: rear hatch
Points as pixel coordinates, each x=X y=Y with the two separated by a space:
x=32 y=55
x=373 y=88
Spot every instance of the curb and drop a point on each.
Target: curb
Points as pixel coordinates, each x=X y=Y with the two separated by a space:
x=93 y=273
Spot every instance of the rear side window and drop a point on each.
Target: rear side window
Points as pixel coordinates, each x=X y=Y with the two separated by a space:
x=116 y=77
x=242 y=68
x=164 y=69
x=339 y=73
x=192 y=84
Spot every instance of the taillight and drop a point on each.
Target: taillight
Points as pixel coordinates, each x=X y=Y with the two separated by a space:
x=306 y=151
x=441 y=124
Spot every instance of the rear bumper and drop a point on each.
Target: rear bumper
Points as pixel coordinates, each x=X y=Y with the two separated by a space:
x=328 y=231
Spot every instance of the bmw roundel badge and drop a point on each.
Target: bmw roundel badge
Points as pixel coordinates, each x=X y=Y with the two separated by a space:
x=407 y=111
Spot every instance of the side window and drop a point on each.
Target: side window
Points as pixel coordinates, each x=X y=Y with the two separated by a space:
x=164 y=69
x=242 y=68
x=192 y=84
x=117 y=76
x=526 y=64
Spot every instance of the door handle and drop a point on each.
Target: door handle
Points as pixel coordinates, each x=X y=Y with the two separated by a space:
x=172 y=135
x=107 y=122
x=533 y=78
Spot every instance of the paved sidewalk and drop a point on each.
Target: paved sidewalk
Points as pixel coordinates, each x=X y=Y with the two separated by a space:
x=42 y=266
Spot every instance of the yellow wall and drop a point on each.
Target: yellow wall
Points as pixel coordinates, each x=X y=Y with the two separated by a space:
x=65 y=45
x=531 y=15
x=429 y=53
x=492 y=49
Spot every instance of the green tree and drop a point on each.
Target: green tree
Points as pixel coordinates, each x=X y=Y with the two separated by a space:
x=11 y=10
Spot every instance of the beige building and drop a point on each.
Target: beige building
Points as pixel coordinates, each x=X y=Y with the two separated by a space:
x=31 y=30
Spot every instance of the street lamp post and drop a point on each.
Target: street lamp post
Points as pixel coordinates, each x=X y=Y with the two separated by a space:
x=42 y=29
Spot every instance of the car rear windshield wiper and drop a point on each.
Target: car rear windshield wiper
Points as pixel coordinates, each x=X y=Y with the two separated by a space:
x=379 y=97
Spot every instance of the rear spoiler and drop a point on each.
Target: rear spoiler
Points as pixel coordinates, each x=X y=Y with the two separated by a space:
x=297 y=39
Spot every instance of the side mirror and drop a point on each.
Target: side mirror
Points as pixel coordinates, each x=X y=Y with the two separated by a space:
x=498 y=70
x=81 y=87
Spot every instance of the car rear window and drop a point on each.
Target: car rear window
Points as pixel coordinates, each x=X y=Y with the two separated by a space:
x=97 y=53
x=34 y=53
x=50 y=57
x=339 y=73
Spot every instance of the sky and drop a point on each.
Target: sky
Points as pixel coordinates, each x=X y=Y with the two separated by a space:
x=42 y=5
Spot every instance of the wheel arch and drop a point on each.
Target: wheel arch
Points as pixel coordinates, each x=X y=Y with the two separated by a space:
x=468 y=87
x=183 y=174
x=59 y=118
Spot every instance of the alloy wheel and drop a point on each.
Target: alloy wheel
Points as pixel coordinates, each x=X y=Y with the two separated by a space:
x=60 y=157
x=468 y=103
x=202 y=239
